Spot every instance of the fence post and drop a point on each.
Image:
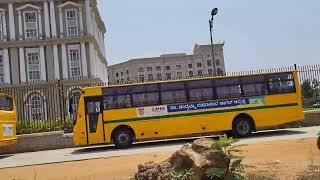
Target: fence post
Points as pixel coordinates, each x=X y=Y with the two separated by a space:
x=62 y=116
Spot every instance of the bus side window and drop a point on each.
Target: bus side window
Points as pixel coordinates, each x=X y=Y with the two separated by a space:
x=228 y=87
x=281 y=83
x=173 y=92
x=200 y=90
x=254 y=85
x=145 y=95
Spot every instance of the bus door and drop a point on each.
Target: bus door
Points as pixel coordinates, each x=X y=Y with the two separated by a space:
x=94 y=120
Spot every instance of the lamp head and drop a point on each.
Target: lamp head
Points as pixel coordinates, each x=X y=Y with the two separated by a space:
x=214 y=12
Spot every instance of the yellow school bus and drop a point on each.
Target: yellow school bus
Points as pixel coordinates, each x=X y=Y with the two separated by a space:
x=124 y=114
x=8 y=120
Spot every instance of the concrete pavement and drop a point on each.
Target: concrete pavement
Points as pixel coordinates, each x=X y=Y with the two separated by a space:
x=74 y=154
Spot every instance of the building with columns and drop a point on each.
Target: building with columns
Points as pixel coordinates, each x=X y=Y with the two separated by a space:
x=170 y=66
x=43 y=40
x=49 y=50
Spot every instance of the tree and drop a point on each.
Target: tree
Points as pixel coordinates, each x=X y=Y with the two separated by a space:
x=310 y=92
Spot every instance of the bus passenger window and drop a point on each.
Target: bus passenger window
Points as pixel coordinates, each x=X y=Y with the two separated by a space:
x=171 y=97
x=203 y=94
x=228 y=91
x=281 y=83
x=255 y=89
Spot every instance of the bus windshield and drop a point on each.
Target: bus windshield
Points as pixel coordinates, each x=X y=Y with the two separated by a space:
x=6 y=103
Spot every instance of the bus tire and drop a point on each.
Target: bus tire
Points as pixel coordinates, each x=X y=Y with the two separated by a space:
x=242 y=126
x=123 y=138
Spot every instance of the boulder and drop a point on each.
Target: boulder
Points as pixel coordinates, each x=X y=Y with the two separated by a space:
x=199 y=156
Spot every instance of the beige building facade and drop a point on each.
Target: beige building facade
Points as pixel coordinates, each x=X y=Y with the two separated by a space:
x=170 y=66
x=43 y=40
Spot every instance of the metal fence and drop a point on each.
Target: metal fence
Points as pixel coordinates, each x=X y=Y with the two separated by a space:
x=46 y=106
x=51 y=106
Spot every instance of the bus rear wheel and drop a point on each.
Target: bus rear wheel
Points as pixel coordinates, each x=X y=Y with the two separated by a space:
x=242 y=126
x=123 y=138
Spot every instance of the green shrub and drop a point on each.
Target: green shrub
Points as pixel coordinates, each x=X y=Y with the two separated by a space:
x=235 y=169
x=181 y=175
x=39 y=126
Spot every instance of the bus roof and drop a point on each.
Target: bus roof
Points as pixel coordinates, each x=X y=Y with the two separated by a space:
x=190 y=79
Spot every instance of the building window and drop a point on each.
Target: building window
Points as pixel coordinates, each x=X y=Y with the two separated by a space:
x=150 y=77
x=159 y=77
x=121 y=74
x=199 y=72
x=209 y=63
x=74 y=61
x=168 y=76
x=179 y=75
x=30 y=25
x=191 y=73
x=220 y=72
x=127 y=71
x=158 y=68
x=149 y=69
x=210 y=72
x=178 y=66
x=168 y=68
x=218 y=62
x=72 y=22
x=140 y=69
x=199 y=64
x=141 y=78
x=33 y=64
x=189 y=66
x=1 y=68
x=117 y=74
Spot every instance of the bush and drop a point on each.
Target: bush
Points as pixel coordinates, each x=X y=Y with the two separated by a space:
x=181 y=175
x=225 y=148
x=39 y=126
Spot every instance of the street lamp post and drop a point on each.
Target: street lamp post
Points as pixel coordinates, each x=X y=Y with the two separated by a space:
x=213 y=13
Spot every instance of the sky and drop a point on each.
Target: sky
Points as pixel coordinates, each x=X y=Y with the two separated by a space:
x=257 y=34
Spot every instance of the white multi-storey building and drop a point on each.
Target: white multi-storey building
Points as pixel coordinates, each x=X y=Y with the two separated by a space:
x=44 y=40
x=170 y=66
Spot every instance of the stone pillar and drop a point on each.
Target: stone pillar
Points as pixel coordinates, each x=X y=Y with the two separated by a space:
x=46 y=19
x=64 y=61
x=84 y=60
x=88 y=17
x=6 y=66
x=22 y=65
x=92 y=59
x=61 y=22
x=11 y=22
x=43 y=72
x=81 y=20
x=53 y=19
x=56 y=62
x=4 y=23
x=40 y=24
x=20 y=25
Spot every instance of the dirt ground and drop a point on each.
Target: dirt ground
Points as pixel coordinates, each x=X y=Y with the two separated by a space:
x=277 y=159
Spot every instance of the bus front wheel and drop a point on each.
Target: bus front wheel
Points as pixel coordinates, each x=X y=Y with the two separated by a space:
x=123 y=138
x=242 y=126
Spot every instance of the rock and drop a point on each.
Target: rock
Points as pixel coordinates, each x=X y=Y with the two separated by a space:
x=153 y=171
x=202 y=145
x=197 y=156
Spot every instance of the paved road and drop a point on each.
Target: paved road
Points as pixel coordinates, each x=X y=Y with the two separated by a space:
x=73 y=154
